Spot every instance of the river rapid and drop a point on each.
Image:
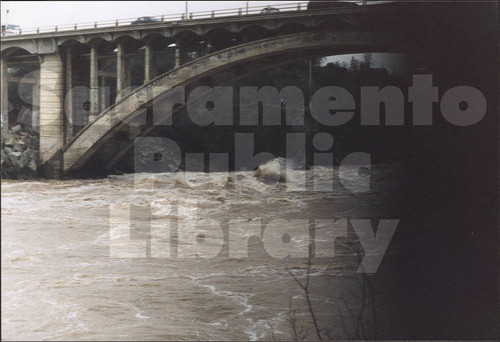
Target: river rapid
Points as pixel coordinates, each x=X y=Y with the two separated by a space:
x=66 y=274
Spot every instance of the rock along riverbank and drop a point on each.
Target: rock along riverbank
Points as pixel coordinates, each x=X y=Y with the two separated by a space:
x=20 y=153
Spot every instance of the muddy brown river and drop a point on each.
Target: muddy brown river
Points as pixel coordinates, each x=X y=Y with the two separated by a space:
x=122 y=258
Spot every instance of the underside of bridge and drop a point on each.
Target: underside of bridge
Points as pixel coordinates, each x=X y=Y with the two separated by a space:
x=112 y=134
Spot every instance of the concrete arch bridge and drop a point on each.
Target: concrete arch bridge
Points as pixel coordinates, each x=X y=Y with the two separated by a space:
x=82 y=95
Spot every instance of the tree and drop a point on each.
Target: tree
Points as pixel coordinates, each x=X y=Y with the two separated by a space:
x=354 y=65
x=368 y=60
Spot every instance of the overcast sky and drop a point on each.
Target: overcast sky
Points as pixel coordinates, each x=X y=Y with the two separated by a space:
x=32 y=14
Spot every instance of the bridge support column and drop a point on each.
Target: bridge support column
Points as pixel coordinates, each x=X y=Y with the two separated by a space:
x=94 y=84
x=120 y=74
x=103 y=93
x=35 y=114
x=68 y=104
x=4 y=96
x=148 y=55
x=51 y=115
x=177 y=56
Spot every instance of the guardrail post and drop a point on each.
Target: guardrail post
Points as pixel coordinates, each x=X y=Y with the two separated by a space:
x=20 y=31
x=182 y=16
x=213 y=14
x=162 y=18
x=76 y=26
x=191 y=15
x=95 y=24
x=37 y=30
x=116 y=22
x=298 y=6
x=239 y=11
x=56 y=28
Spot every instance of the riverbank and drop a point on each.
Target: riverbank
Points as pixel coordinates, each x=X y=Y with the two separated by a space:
x=20 y=153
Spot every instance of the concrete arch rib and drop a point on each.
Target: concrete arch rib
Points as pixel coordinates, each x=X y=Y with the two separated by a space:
x=81 y=148
x=8 y=47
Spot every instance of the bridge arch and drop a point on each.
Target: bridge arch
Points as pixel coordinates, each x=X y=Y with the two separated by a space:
x=64 y=40
x=108 y=37
x=134 y=35
x=71 y=41
x=186 y=37
x=216 y=67
x=98 y=42
x=291 y=28
x=256 y=32
x=154 y=37
x=28 y=46
x=20 y=73
x=221 y=38
x=16 y=51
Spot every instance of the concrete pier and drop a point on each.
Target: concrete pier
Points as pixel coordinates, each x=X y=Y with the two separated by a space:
x=51 y=113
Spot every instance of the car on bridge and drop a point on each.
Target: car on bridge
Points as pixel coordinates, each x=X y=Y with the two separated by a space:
x=269 y=10
x=10 y=29
x=145 y=20
x=314 y=5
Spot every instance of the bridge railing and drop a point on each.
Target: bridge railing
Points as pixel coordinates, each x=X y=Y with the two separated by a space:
x=181 y=17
